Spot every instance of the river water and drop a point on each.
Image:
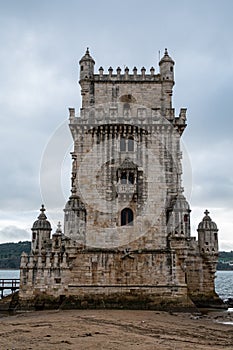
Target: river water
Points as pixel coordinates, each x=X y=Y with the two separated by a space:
x=223 y=281
x=224 y=284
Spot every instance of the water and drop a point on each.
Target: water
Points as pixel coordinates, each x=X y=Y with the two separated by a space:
x=223 y=281
x=224 y=284
x=9 y=274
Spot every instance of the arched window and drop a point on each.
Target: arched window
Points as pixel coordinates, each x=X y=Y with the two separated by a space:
x=126 y=217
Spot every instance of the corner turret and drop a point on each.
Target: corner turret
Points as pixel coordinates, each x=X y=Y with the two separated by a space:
x=87 y=79
x=179 y=217
x=166 y=65
x=86 y=66
x=201 y=276
x=41 y=230
x=208 y=236
x=57 y=238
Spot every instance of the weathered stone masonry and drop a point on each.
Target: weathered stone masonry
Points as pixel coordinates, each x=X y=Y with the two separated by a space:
x=126 y=240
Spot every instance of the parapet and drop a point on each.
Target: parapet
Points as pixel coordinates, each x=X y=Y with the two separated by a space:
x=126 y=76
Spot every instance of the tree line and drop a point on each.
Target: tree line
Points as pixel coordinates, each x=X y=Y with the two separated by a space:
x=10 y=254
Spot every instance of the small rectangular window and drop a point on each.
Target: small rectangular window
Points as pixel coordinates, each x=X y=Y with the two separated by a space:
x=122 y=144
x=130 y=145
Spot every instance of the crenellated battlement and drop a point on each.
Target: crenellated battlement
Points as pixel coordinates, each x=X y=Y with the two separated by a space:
x=122 y=75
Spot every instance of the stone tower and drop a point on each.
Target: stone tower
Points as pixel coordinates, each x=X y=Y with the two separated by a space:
x=126 y=175
x=126 y=240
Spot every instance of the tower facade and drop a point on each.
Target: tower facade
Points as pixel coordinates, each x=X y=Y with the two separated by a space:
x=126 y=239
x=126 y=173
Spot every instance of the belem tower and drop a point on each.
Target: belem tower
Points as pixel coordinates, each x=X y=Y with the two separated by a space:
x=126 y=241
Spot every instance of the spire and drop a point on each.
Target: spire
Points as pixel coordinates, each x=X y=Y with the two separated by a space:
x=206 y=217
x=166 y=58
x=42 y=215
x=87 y=57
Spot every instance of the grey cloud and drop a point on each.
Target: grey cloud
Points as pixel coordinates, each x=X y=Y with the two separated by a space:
x=13 y=233
x=42 y=43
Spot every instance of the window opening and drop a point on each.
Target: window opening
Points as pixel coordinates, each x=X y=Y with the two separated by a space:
x=126 y=217
x=130 y=145
x=123 y=144
x=123 y=178
x=126 y=145
x=131 y=178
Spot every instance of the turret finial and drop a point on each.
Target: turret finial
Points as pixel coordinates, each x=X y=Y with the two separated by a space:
x=59 y=231
x=166 y=52
x=42 y=215
x=206 y=217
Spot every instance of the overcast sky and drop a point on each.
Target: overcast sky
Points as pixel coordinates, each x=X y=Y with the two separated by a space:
x=41 y=44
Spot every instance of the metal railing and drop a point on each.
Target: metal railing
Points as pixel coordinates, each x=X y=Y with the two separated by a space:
x=8 y=284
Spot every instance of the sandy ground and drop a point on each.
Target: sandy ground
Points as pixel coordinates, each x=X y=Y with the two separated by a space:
x=116 y=330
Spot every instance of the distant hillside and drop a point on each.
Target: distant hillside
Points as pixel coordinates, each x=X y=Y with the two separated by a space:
x=10 y=254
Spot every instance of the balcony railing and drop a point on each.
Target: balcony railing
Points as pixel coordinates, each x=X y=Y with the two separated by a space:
x=126 y=188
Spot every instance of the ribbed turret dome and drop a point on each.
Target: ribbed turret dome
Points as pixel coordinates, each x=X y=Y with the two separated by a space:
x=166 y=58
x=42 y=223
x=207 y=223
x=180 y=203
x=87 y=57
x=74 y=203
